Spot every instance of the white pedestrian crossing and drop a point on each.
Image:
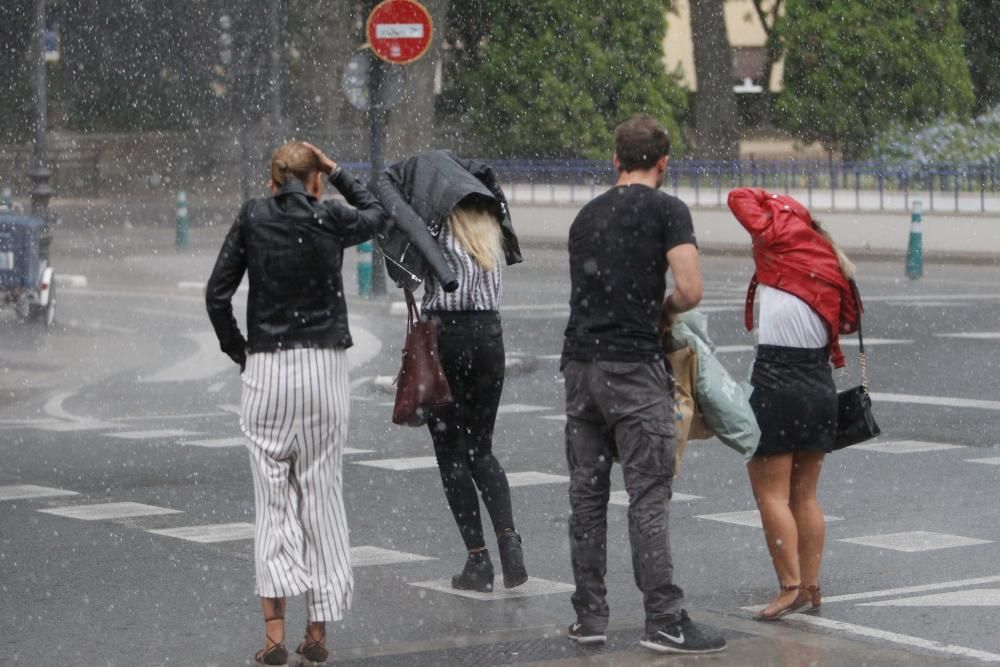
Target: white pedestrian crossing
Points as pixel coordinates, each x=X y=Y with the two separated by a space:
x=991 y=460
x=368 y=556
x=216 y=443
x=516 y=408
x=403 y=464
x=905 y=446
x=750 y=518
x=108 y=511
x=621 y=498
x=155 y=434
x=530 y=588
x=914 y=541
x=30 y=491
x=973 y=335
x=208 y=534
x=516 y=479
x=941 y=401
x=972 y=597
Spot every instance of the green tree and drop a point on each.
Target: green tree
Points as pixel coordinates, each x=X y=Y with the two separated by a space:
x=982 y=49
x=555 y=76
x=853 y=67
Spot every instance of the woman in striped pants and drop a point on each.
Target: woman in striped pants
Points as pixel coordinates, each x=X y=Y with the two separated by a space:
x=295 y=400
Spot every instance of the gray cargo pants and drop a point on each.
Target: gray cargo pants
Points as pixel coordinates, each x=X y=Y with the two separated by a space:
x=622 y=409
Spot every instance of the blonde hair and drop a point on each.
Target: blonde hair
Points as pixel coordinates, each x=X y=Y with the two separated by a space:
x=293 y=160
x=477 y=229
x=846 y=265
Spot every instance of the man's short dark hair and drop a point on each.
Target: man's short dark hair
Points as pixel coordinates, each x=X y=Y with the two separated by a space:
x=640 y=142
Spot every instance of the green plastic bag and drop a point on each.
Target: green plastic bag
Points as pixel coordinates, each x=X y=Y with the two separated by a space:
x=724 y=403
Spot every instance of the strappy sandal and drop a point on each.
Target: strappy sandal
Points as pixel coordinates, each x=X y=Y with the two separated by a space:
x=793 y=607
x=277 y=655
x=809 y=599
x=312 y=651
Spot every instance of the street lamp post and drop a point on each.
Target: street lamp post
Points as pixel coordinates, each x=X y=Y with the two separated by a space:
x=41 y=191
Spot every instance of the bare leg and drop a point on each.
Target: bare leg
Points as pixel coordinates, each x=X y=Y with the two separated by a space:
x=808 y=515
x=770 y=479
x=274 y=621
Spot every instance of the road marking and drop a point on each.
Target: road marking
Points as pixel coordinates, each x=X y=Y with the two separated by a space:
x=351 y=450
x=107 y=511
x=895 y=637
x=70 y=426
x=414 y=463
x=516 y=408
x=993 y=461
x=70 y=281
x=982 y=335
x=230 y=408
x=29 y=491
x=906 y=590
x=973 y=597
x=530 y=588
x=941 y=401
x=621 y=498
x=905 y=446
x=929 y=304
x=915 y=541
x=215 y=443
x=729 y=349
x=749 y=518
x=370 y=556
x=365 y=348
x=206 y=362
x=152 y=435
x=216 y=387
x=549 y=357
x=220 y=532
x=853 y=342
x=516 y=479
x=934 y=297
x=555 y=418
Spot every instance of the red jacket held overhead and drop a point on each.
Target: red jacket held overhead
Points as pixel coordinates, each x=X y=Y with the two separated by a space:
x=790 y=255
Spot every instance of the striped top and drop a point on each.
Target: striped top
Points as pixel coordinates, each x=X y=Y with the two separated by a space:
x=477 y=289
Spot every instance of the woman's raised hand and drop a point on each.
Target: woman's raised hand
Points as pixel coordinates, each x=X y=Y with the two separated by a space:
x=326 y=164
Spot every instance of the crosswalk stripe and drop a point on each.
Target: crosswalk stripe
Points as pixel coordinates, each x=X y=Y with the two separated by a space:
x=530 y=588
x=29 y=491
x=208 y=534
x=214 y=443
x=403 y=464
x=108 y=511
x=905 y=446
x=367 y=556
x=914 y=541
x=152 y=435
x=750 y=518
x=941 y=401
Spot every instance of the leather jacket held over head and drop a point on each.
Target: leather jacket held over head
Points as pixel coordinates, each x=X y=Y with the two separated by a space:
x=292 y=248
x=419 y=193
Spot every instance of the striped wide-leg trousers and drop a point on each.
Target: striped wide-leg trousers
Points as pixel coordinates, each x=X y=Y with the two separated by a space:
x=295 y=409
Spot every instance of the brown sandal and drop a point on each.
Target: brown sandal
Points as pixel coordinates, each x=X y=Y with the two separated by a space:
x=791 y=608
x=809 y=598
x=277 y=655
x=312 y=652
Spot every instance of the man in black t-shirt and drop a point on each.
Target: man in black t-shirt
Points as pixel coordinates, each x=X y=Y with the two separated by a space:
x=618 y=398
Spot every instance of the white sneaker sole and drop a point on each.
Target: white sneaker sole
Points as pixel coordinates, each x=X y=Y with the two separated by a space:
x=660 y=648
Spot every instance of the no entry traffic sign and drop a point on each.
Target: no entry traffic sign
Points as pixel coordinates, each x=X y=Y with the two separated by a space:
x=399 y=31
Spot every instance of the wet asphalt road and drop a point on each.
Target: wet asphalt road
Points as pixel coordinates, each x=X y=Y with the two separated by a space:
x=107 y=405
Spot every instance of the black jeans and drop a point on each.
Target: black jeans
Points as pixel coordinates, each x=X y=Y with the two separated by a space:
x=470 y=344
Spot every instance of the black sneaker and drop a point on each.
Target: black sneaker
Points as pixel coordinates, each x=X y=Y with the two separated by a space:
x=683 y=636
x=581 y=634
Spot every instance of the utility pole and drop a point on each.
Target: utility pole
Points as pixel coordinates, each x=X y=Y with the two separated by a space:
x=41 y=191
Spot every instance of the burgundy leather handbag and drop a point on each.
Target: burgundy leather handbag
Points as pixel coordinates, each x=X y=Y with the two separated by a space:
x=421 y=384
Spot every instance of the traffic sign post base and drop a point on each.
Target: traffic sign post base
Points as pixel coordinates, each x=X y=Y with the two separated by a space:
x=914 y=250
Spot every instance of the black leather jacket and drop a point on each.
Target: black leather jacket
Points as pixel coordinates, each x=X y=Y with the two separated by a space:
x=292 y=247
x=419 y=193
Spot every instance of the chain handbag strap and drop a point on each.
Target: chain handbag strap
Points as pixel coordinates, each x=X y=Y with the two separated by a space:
x=862 y=357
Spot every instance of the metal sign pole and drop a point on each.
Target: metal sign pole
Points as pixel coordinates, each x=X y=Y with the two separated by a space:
x=41 y=191
x=376 y=98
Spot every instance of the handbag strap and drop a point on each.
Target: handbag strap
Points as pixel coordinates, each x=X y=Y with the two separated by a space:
x=413 y=315
x=862 y=357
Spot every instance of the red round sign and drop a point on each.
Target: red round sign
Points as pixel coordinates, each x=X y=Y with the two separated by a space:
x=399 y=31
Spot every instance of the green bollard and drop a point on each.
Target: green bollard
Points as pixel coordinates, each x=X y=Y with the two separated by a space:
x=365 y=270
x=182 y=221
x=915 y=251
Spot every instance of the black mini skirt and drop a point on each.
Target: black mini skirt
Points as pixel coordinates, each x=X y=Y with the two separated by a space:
x=794 y=399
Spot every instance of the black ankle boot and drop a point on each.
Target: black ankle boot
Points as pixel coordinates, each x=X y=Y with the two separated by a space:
x=512 y=559
x=477 y=574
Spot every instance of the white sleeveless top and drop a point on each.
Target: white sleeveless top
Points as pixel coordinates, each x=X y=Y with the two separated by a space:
x=787 y=321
